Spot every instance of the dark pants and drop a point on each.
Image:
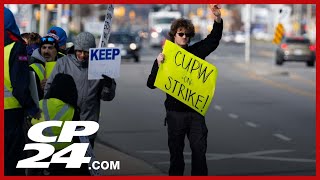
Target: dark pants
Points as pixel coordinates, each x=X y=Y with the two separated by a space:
x=193 y=125
x=14 y=141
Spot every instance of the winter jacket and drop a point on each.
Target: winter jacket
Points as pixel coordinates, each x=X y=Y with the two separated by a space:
x=89 y=91
x=200 y=49
x=36 y=57
x=19 y=73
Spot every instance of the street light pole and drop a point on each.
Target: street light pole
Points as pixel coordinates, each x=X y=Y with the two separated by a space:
x=247 y=33
x=309 y=19
x=185 y=10
x=59 y=14
x=43 y=20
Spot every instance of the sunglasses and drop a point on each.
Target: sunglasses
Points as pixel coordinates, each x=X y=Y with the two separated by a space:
x=182 y=34
x=48 y=39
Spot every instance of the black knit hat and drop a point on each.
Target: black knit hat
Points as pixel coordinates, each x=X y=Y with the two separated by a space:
x=49 y=40
x=64 y=88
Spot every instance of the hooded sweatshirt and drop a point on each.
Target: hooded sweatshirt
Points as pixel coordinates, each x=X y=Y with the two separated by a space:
x=10 y=22
x=37 y=58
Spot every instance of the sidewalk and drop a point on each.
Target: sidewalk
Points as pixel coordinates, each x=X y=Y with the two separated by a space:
x=129 y=166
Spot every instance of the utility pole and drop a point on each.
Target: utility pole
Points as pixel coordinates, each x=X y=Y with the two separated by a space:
x=309 y=19
x=298 y=16
x=43 y=20
x=76 y=18
x=59 y=14
x=30 y=17
x=65 y=18
x=247 y=25
x=185 y=10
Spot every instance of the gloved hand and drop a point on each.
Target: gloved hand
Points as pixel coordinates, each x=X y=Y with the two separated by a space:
x=43 y=83
x=37 y=115
x=106 y=81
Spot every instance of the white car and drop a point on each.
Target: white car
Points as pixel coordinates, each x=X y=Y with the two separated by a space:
x=239 y=37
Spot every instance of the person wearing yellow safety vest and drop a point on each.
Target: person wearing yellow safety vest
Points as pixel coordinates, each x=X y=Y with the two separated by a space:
x=43 y=61
x=60 y=104
x=18 y=102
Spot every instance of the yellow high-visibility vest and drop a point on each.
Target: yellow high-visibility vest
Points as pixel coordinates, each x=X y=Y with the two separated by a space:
x=54 y=110
x=39 y=70
x=61 y=54
x=10 y=102
x=44 y=72
x=49 y=68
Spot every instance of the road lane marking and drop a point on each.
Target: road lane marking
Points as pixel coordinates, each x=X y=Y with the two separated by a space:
x=255 y=76
x=282 y=137
x=233 y=116
x=301 y=79
x=281 y=86
x=251 y=124
x=260 y=155
x=217 y=107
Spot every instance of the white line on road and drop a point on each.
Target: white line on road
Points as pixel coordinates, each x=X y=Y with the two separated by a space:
x=251 y=124
x=233 y=116
x=261 y=155
x=217 y=107
x=282 y=137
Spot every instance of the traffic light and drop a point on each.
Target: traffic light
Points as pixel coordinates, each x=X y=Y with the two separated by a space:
x=278 y=34
x=119 y=11
x=37 y=15
x=132 y=15
x=200 y=12
x=50 y=7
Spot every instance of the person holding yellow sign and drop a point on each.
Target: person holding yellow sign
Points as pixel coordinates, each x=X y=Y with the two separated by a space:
x=183 y=120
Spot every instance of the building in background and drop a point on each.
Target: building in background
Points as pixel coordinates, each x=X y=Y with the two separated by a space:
x=73 y=18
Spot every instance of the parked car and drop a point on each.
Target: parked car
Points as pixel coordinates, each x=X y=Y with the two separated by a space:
x=296 y=49
x=129 y=44
x=228 y=37
x=239 y=37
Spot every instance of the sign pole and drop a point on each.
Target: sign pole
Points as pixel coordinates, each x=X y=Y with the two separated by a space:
x=107 y=27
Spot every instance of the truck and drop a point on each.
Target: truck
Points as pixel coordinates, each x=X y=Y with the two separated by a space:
x=159 y=25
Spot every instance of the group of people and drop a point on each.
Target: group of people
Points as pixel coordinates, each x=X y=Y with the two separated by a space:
x=63 y=88
x=65 y=92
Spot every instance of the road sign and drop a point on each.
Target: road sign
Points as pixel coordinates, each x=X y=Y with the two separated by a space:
x=278 y=34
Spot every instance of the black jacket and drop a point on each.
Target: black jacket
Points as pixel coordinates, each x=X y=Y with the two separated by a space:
x=19 y=73
x=200 y=49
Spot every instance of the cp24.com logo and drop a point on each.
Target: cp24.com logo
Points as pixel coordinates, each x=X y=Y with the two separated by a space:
x=69 y=130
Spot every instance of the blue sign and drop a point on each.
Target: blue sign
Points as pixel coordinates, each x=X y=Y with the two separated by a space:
x=104 y=54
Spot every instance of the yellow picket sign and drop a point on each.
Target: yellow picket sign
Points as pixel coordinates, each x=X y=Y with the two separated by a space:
x=187 y=78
